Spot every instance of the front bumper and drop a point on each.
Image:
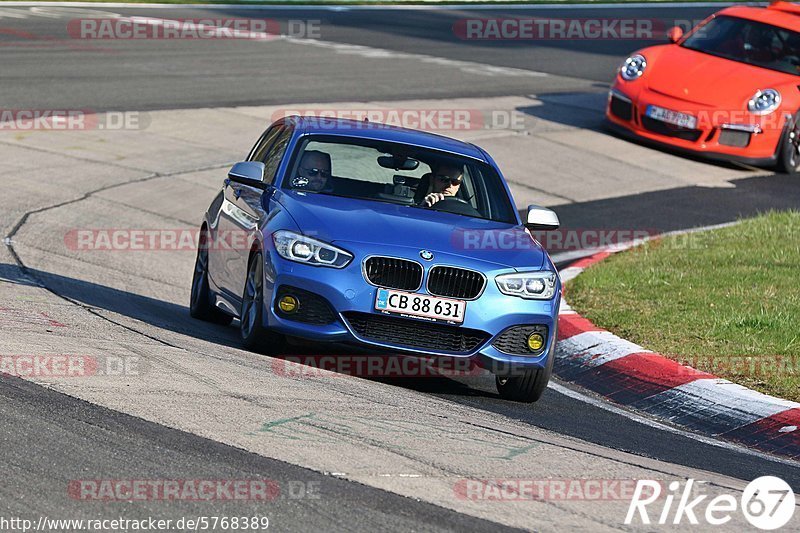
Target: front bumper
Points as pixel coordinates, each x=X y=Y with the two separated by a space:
x=721 y=135
x=351 y=301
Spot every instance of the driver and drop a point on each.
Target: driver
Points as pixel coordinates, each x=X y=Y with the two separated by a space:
x=314 y=171
x=445 y=181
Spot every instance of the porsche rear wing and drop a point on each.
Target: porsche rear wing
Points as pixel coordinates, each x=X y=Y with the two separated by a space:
x=786 y=7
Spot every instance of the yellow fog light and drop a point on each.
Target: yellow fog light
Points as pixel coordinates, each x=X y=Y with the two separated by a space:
x=535 y=342
x=288 y=304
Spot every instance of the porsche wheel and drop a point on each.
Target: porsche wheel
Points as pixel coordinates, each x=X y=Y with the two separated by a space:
x=200 y=305
x=789 y=157
x=251 y=326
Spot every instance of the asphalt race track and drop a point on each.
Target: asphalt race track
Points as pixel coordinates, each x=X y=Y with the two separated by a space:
x=347 y=453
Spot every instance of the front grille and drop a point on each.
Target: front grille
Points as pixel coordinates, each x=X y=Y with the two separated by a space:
x=736 y=138
x=412 y=333
x=393 y=273
x=620 y=108
x=313 y=308
x=455 y=282
x=514 y=340
x=670 y=130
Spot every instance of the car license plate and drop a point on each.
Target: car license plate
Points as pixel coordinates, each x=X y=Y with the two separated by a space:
x=671 y=117
x=420 y=305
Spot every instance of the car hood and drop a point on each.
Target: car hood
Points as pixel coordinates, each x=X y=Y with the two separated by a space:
x=337 y=219
x=708 y=80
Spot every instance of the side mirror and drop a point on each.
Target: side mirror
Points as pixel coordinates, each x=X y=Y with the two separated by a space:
x=674 y=34
x=249 y=173
x=541 y=218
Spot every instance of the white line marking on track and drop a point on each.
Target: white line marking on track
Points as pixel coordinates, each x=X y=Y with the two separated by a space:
x=382 y=53
x=349 y=49
x=575 y=395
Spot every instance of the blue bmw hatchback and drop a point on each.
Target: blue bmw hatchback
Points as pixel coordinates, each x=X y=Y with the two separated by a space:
x=386 y=238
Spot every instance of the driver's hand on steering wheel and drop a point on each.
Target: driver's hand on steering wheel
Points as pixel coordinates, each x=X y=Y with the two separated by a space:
x=432 y=198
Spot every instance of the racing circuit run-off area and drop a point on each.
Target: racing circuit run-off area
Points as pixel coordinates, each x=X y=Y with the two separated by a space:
x=400 y=266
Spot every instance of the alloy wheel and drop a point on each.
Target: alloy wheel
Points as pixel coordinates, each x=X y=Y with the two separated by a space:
x=251 y=302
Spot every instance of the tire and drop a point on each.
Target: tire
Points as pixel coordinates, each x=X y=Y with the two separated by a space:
x=254 y=335
x=530 y=386
x=789 y=154
x=527 y=388
x=200 y=306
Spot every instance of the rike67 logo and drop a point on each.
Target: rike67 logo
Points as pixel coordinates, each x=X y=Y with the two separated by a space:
x=767 y=503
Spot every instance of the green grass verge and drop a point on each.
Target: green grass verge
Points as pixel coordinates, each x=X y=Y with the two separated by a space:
x=725 y=301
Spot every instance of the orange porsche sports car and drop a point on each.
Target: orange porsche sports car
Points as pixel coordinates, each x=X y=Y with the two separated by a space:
x=729 y=89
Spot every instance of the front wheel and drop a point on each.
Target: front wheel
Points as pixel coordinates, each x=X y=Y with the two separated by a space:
x=527 y=387
x=530 y=385
x=789 y=154
x=251 y=319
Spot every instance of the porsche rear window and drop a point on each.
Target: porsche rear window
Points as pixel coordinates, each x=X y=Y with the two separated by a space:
x=748 y=41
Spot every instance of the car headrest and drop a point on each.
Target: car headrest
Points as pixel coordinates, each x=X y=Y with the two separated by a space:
x=423 y=188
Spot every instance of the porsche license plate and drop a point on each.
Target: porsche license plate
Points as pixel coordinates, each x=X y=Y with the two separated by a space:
x=671 y=117
x=423 y=306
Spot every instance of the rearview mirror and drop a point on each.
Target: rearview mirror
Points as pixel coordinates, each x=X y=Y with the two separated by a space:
x=674 y=34
x=398 y=162
x=541 y=218
x=248 y=172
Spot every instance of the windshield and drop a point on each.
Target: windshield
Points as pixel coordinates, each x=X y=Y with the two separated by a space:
x=400 y=174
x=750 y=42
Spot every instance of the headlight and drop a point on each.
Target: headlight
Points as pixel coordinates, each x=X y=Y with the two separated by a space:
x=296 y=247
x=528 y=285
x=764 y=102
x=633 y=67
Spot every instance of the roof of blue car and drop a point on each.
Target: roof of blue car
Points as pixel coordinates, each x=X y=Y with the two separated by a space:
x=383 y=132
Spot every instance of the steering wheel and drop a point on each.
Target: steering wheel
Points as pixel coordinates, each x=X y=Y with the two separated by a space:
x=456 y=198
x=455 y=205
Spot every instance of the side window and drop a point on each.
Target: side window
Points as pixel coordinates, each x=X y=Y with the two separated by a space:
x=273 y=158
x=259 y=151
